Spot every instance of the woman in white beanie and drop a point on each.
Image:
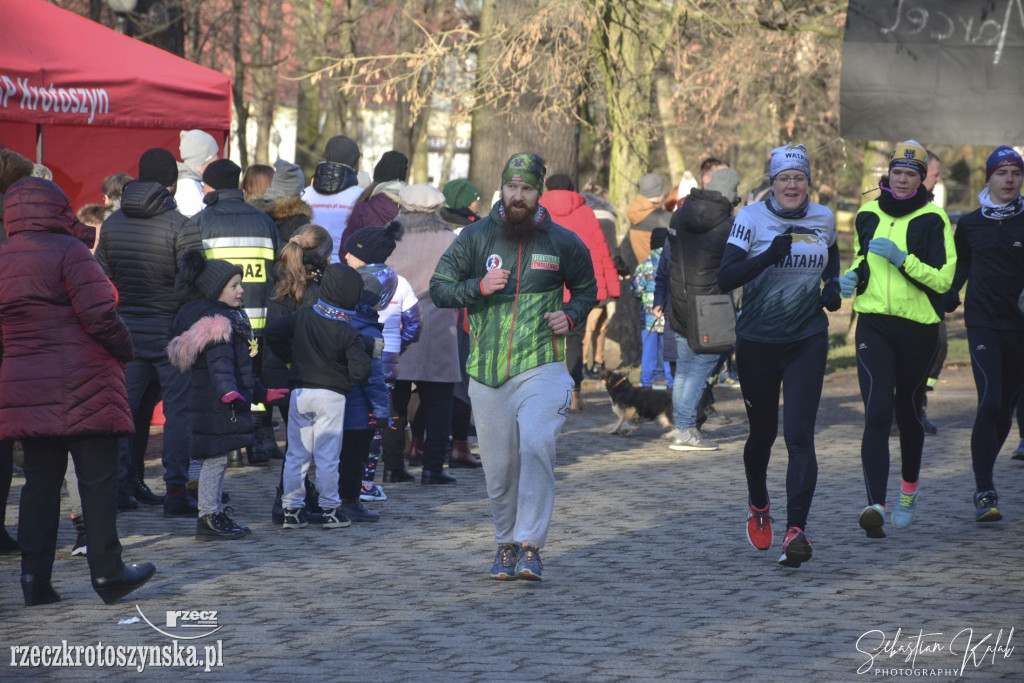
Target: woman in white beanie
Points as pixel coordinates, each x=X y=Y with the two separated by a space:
x=782 y=251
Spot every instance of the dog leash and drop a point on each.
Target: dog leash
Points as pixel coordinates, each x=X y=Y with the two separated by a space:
x=650 y=330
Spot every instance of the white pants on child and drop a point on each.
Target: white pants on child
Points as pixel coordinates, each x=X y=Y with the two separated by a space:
x=316 y=425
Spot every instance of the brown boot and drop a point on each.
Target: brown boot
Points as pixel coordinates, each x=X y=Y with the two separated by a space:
x=461 y=456
x=577 y=402
x=416 y=449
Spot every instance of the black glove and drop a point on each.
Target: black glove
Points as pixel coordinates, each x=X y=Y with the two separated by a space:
x=951 y=301
x=830 y=298
x=781 y=246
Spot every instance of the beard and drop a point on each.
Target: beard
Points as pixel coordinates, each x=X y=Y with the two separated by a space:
x=519 y=221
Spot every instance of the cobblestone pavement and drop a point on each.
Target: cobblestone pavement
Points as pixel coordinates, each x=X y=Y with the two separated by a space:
x=648 y=574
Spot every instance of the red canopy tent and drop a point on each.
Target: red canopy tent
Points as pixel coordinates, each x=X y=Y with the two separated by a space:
x=87 y=101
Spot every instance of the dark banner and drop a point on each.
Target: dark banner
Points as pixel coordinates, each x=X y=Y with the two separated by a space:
x=938 y=71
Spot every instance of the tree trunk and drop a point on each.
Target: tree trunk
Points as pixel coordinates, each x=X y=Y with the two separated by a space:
x=505 y=128
x=627 y=46
x=482 y=151
x=238 y=84
x=876 y=164
x=263 y=65
x=673 y=147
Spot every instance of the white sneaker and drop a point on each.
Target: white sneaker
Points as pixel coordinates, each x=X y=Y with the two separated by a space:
x=693 y=440
x=372 y=492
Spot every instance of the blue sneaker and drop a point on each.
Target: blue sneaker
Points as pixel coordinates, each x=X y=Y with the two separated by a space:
x=1019 y=453
x=528 y=567
x=872 y=521
x=504 y=566
x=371 y=492
x=904 y=513
x=985 y=509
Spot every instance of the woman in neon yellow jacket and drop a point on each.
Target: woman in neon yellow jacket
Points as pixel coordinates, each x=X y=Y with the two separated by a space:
x=903 y=263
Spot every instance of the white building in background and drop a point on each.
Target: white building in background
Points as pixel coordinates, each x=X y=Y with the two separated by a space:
x=375 y=137
x=447 y=131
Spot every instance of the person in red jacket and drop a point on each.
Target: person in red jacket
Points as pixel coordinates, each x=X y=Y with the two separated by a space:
x=568 y=209
x=62 y=386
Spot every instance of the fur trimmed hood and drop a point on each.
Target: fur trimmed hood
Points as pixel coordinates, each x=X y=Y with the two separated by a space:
x=185 y=349
x=283 y=208
x=415 y=222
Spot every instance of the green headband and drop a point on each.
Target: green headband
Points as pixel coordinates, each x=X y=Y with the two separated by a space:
x=525 y=167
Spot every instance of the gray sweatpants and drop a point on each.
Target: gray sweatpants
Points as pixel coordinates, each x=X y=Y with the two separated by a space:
x=517 y=425
x=316 y=429
x=211 y=484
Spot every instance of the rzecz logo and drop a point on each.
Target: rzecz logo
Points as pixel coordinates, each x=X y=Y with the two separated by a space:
x=182 y=624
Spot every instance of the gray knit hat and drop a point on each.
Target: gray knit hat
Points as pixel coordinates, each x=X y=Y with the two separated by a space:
x=288 y=181
x=726 y=181
x=652 y=186
x=197 y=147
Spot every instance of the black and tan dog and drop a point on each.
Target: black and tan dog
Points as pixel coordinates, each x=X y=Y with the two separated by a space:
x=635 y=405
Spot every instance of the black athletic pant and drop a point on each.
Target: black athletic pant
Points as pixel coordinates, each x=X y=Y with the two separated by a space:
x=355 y=446
x=796 y=370
x=436 y=407
x=461 y=413
x=574 y=353
x=997 y=357
x=6 y=474
x=940 y=355
x=893 y=358
x=46 y=459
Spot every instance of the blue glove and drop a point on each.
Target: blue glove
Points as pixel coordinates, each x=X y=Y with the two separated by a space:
x=830 y=296
x=848 y=283
x=888 y=250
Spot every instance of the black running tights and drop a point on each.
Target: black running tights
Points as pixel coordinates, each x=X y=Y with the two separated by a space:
x=998 y=362
x=798 y=368
x=893 y=358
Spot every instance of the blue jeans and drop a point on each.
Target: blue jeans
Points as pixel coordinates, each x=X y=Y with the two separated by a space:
x=652 y=361
x=692 y=372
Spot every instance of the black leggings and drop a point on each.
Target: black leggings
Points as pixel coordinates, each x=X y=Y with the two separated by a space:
x=893 y=358
x=997 y=357
x=436 y=407
x=461 y=414
x=798 y=368
x=355 y=446
x=6 y=474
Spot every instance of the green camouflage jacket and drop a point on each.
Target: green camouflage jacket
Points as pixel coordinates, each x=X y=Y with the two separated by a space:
x=507 y=330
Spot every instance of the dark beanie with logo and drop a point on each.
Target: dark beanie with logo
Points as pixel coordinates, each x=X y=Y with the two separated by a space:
x=374 y=244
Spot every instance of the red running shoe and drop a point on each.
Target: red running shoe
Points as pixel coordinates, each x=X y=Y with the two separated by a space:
x=796 y=548
x=759 y=528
